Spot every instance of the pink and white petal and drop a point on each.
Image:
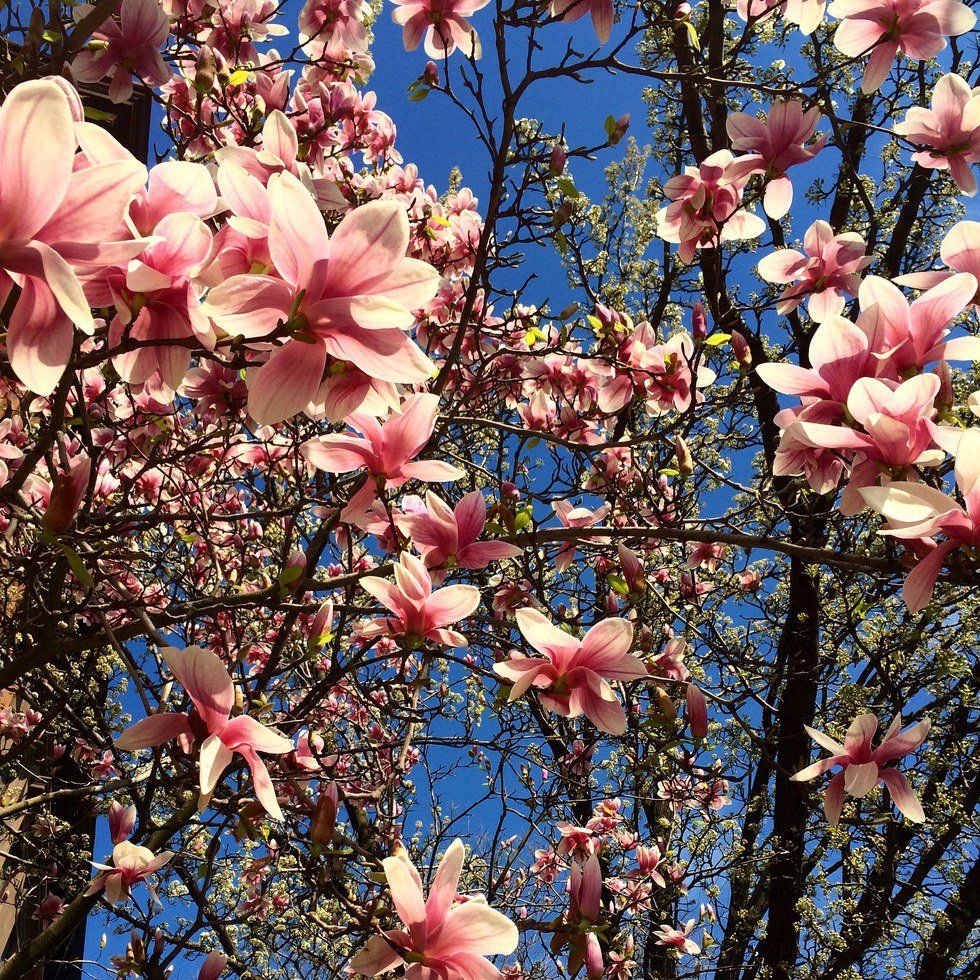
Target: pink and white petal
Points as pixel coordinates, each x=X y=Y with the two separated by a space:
x=40 y=338
x=411 y=284
x=481 y=553
x=816 y=769
x=406 y=894
x=934 y=309
x=367 y=248
x=607 y=716
x=247 y=731
x=605 y=646
x=792 y=380
x=860 y=778
x=95 y=203
x=444 y=885
x=249 y=306
x=385 y=355
x=450 y=605
x=921 y=581
x=37 y=149
x=543 y=635
x=431 y=471
x=833 y=800
x=214 y=760
x=475 y=928
x=265 y=791
x=286 y=383
x=298 y=237
x=337 y=453
x=153 y=731
x=205 y=678
x=902 y=795
x=378 y=956
x=778 y=197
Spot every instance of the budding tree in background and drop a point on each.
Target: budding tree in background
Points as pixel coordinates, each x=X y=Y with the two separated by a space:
x=543 y=585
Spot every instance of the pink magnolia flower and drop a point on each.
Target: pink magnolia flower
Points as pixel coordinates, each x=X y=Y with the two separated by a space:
x=706 y=207
x=575 y=517
x=345 y=299
x=949 y=132
x=157 y=305
x=131 y=864
x=913 y=334
x=601 y=12
x=841 y=354
x=441 y=937
x=333 y=27
x=828 y=269
x=387 y=450
x=678 y=939
x=56 y=219
x=448 y=538
x=127 y=47
x=442 y=22
x=571 y=678
x=865 y=767
x=419 y=613
x=898 y=431
x=916 y=28
x=916 y=512
x=212 y=692
x=773 y=146
x=584 y=906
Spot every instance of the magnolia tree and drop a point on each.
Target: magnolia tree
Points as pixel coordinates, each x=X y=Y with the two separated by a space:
x=570 y=582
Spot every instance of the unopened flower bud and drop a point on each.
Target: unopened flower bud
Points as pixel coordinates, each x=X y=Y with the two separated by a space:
x=619 y=129
x=122 y=819
x=213 y=966
x=699 y=321
x=205 y=69
x=431 y=73
x=556 y=163
x=67 y=492
x=740 y=347
x=682 y=11
x=685 y=461
x=665 y=704
x=697 y=712
x=325 y=815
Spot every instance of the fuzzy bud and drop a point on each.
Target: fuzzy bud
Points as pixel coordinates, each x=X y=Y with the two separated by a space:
x=557 y=160
x=122 y=819
x=699 y=324
x=740 y=347
x=685 y=461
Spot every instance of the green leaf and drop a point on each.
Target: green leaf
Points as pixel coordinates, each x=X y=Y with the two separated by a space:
x=609 y=125
x=692 y=35
x=239 y=77
x=561 y=242
x=290 y=574
x=717 y=339
x=418 y=95
x=567 y=186
x=78 y=567
x=96 y=115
